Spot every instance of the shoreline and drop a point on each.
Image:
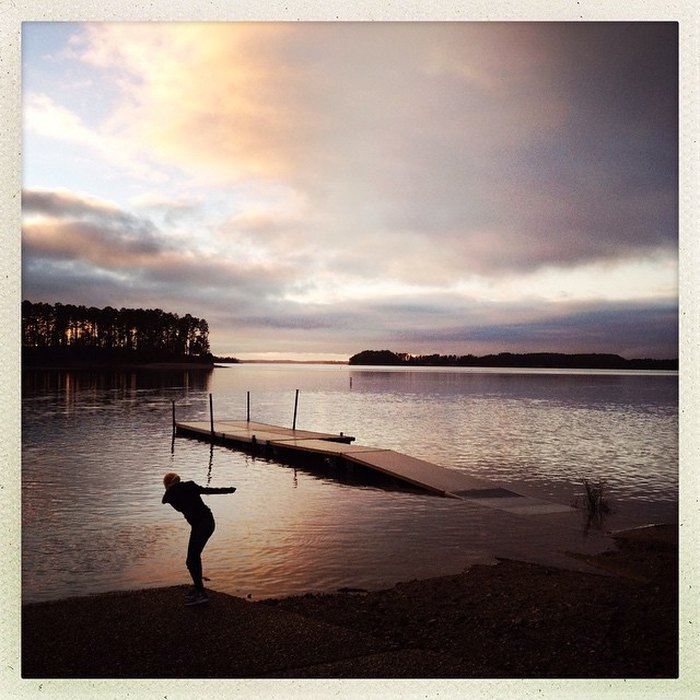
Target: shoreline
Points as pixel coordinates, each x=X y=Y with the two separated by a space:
x=512 y=619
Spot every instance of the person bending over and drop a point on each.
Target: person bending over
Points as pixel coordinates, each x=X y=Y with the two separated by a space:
x=185 y=497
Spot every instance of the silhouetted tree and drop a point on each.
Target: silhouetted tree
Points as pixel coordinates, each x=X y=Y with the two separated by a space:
x=376 y=357
x=152 y=332
x=508 y=359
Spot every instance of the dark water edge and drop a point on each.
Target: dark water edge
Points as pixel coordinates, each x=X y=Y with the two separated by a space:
x=79 y=358
x=39 y=380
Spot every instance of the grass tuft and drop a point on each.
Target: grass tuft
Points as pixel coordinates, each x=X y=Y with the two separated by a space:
x=594 y=503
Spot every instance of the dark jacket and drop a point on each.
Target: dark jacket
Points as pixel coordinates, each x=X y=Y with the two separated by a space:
x=185 y=497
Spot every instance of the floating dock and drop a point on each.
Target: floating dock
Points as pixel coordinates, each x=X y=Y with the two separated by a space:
x=288 y=443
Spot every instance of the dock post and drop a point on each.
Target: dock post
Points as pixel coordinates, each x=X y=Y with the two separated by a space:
x=172 y=439
x=247 y=408
x=296 y=402
x=211 y=416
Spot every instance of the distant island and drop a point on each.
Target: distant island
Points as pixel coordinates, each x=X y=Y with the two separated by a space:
x=68 y=335
x=544 y=360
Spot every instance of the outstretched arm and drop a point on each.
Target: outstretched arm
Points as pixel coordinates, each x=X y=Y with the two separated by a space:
x=211 y=489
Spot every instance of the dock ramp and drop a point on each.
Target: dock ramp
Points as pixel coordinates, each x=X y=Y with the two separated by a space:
x=402 y=467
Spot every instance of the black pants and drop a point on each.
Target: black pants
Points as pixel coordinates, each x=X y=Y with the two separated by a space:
x=199 y=536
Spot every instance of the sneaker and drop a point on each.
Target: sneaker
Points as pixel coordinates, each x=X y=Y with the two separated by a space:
x=199 y=598
x=191 y=593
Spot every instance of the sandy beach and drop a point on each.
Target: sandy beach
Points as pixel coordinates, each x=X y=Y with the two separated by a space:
x=509 y=620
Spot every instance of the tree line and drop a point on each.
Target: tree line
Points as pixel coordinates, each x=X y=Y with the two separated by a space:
x=151 y=334
x=550 y=360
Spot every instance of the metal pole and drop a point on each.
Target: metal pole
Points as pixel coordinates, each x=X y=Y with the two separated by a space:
x=247 y=411
x=296 y=402
x=173 y=402
x=211 y=415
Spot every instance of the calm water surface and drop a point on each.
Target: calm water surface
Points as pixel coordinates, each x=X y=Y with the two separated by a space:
x=96 y=444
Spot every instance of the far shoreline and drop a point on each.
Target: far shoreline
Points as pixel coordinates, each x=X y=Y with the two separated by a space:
x=292 y=362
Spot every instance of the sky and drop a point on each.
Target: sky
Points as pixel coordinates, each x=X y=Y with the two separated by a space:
x=318 y=189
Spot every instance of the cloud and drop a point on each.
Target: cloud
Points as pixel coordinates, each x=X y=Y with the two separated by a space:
x=632 y=330
x=229 y=124
x=66 y=234
x=368 y=179
x=488 y=148
x=66 y=226
x=46 y=118
x=266 y=279
x=43 y=117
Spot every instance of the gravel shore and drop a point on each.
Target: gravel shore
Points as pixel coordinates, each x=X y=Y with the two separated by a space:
x=510 y=620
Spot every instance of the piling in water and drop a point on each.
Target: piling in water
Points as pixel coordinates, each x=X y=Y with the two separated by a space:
x=296 y=403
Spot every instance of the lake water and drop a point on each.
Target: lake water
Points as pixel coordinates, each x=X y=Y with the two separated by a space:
x=95 y=446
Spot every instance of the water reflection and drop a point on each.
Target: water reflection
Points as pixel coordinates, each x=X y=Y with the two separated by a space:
x=96 y=444
x=333 y=470
x=565 y=387
x=71 y=382
x=211 y=463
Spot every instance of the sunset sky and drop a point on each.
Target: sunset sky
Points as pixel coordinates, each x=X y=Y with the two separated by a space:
x=317 y=189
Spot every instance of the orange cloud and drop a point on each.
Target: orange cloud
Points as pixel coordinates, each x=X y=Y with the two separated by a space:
x=279 y=101
x=216 y=97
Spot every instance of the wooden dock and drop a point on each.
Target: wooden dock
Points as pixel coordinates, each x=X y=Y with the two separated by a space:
x=293 y=444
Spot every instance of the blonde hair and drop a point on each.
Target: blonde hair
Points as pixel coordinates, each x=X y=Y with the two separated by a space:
x=169 y=479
